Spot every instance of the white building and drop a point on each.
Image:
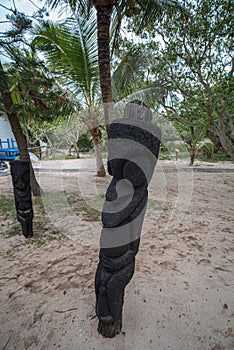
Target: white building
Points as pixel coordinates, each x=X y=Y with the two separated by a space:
x=5 y=129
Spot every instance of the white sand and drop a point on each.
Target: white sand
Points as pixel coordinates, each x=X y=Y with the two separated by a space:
x=181 y=296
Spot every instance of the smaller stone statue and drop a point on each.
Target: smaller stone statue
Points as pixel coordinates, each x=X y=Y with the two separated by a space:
x=20 y=173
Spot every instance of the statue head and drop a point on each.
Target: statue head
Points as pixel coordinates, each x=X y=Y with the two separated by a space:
x=20 y=172
x=137 y=109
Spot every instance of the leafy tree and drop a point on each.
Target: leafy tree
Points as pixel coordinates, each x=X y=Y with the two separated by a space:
x=34 y=95
x=132 y=77
x=35 y=92
x=196 y=61
x=110 y=12
x=8 y=42
x=16 y=127
x=71 y=52
x=198 y=142
x=66 y=134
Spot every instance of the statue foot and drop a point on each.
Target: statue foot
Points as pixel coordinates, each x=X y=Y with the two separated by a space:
x=102 y=309
x=25 y=217
x=109 y=330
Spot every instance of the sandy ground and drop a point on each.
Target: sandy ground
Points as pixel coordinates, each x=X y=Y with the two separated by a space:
x=181 y=296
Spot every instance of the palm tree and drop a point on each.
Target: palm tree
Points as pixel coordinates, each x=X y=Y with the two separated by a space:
x=104 y=11
x=198 y=142
x=149 y=10
x=71 y=51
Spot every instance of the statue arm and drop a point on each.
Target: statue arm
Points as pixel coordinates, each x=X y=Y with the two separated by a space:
x=139 y=168
x=134 y=174
x=109 y=168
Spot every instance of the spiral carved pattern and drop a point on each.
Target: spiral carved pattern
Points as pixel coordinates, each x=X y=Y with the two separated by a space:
x=133 y=147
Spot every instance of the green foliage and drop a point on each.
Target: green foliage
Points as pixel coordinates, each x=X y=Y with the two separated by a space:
x=71 y=51
x=198 y=142
x=85 y=142
x=215 y=157
x=144 y=14
x=35 y=94
x=70 y=156
x=20 y=23
x=206 y=145
x=129 y=72
x=165 y=156
x=41 y=224
x=195 y=63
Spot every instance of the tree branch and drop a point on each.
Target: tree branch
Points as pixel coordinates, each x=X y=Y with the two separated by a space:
x=174 y=116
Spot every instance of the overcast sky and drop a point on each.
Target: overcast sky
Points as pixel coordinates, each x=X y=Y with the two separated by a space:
x=26 y=6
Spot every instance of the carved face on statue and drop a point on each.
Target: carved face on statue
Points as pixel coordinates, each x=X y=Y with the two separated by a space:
x=20 y=172
x=21 y=179
x=21 y=182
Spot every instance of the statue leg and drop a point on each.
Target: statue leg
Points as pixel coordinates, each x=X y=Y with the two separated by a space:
x=25 y=217
x=102 y=309
x=111 y=302
x=20 y=172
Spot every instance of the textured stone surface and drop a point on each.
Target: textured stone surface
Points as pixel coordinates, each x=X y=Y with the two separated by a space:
x=20 y=173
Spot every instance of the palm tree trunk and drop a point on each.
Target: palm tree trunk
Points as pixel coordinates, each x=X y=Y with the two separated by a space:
x=192 y=157
x=17 y=130
x=104 y=11
x=101 y=172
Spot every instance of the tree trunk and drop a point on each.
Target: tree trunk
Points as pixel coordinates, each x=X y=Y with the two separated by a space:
x=101 y=172
x=76 y=150
x=192 y=157
x=17 y=130
x=225 y=140
x=219 y=130
x=104 y=11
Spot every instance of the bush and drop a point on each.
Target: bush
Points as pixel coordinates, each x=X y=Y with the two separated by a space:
x=70 y=156
x=216 y=157
x=84 y=143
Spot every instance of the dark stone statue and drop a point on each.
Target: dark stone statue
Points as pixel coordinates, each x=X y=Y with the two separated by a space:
x=20 y=173
x=133 y=147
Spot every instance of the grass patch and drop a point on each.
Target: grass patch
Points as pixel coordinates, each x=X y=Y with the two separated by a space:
x=70 y=156
x=14 y=230
x=41 y=238
x=42 y=228
x=79 y=205
x=165 y=156
x=8 y=222
x=7 y=203
x=154 y=204
x=216 y=157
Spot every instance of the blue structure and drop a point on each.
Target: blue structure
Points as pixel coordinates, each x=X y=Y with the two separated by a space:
x=8 y=149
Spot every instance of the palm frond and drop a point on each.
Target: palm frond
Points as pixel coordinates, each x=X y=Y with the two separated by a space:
x=150 y=95
x=128 y=71
x=71 y=51
x=74 y=6
x=206 y=144
x=154 y=9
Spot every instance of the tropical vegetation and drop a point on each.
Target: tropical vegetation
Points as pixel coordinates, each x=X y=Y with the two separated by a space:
x=177 y=57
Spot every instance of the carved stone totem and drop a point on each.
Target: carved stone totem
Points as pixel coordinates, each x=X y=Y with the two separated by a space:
x=133 y=147
x=20 y=173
